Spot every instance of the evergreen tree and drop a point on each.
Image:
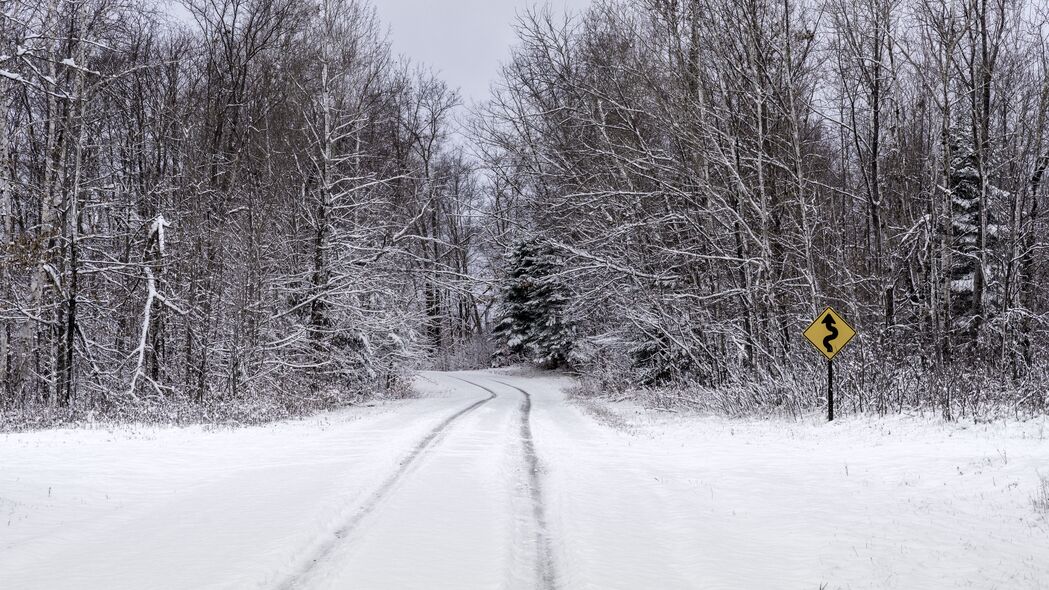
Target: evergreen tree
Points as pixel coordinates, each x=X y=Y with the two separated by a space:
x=965 y=185
x=974 y=235
x=534 y=300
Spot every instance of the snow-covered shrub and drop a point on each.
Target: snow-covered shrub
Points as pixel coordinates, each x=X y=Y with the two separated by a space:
x=601 y=361
x=476 y=351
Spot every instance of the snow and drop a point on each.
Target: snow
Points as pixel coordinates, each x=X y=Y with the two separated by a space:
x=387 y=497
x=11 y=75
x=71 y=63
x=194 y=507
x=157 y=228
x=966 y=284
x=883 y=503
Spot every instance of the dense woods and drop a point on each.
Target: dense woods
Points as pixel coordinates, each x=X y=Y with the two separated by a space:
x=250 y=207
x=255 y=208
x=712 y=173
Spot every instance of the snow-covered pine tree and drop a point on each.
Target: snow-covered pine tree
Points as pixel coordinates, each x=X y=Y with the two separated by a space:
x=974 y=234
x=534 y=301
x=964 y=184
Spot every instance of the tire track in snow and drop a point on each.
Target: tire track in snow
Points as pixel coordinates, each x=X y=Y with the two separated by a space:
x=372 y=502
x=545 y=561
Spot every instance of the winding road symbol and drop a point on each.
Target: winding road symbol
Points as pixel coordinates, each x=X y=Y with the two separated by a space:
x=828 y=321
x=829 y=333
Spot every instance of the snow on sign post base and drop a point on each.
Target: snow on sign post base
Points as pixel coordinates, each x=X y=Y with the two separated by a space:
x=829 y=333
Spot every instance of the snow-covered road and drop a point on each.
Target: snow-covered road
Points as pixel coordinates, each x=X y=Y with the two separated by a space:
x=495 y=480
x=458 y=504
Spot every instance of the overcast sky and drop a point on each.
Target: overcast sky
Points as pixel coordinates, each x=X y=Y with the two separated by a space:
x=462 y=40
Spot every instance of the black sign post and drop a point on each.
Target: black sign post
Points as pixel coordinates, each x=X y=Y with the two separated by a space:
x=830 y=390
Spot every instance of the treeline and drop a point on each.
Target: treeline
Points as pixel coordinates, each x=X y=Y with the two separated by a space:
x=711 y=173
x=248 y=201
x=253 y=206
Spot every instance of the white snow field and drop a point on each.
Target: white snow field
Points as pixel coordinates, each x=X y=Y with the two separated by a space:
x=494 y=480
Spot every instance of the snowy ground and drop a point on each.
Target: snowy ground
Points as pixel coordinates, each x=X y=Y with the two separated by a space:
x=442 y=493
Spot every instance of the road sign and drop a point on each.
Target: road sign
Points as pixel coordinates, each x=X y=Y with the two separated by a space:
x=829 y=333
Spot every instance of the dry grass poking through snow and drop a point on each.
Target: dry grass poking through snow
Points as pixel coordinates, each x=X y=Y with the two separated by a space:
x=1041 y=498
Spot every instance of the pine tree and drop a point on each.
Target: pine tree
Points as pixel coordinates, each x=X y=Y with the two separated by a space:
x=534 y=301
x=974 y=235
x=965 y=185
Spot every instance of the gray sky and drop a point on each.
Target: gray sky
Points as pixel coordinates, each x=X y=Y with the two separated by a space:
x=462 y=40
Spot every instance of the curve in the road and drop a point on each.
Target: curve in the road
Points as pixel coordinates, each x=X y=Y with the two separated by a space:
x=377 y=496
x=545 y=563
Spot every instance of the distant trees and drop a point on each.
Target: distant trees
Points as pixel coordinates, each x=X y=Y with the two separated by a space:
x=712 y=172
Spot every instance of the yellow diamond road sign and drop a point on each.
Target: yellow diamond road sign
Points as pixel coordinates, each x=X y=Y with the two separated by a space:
x=829 y=333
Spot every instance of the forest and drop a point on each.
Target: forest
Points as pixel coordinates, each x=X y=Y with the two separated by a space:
x=258 y=209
